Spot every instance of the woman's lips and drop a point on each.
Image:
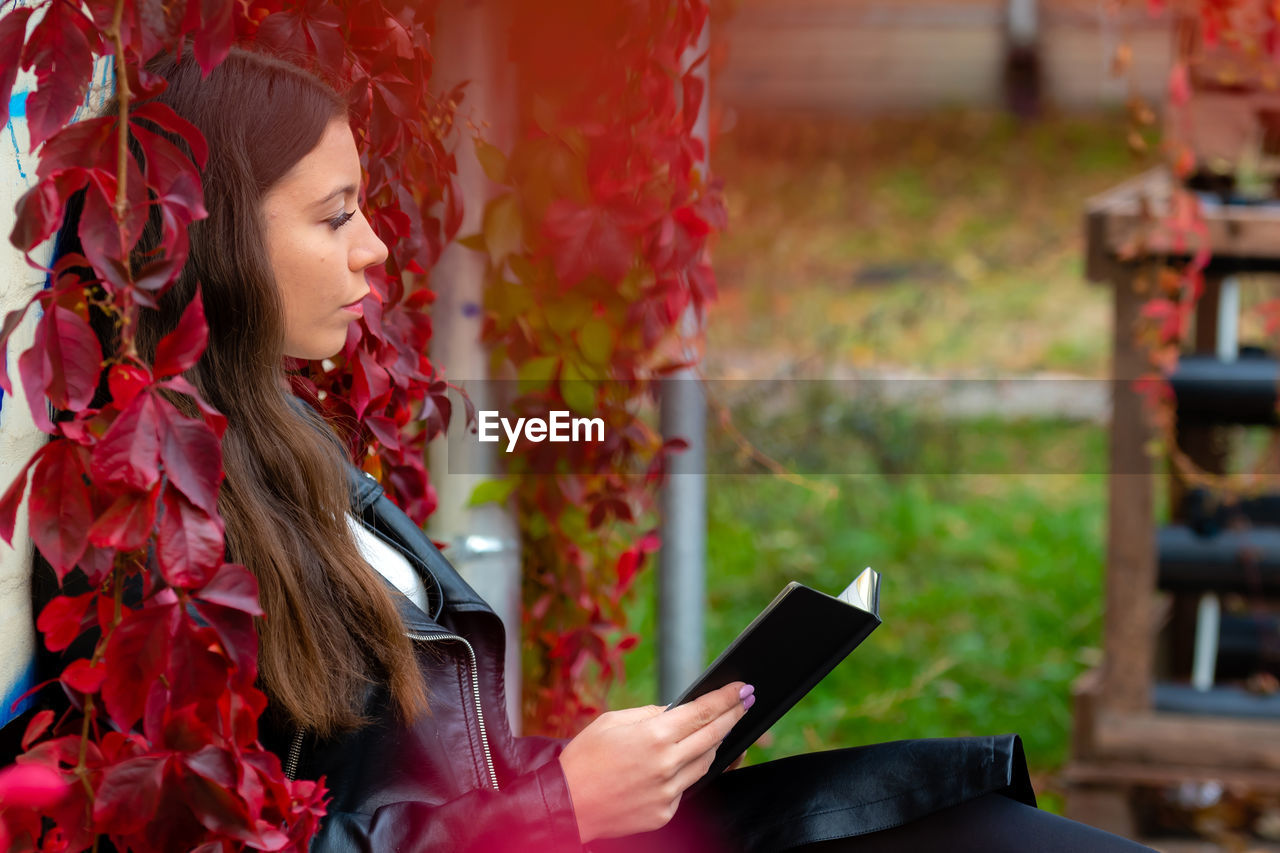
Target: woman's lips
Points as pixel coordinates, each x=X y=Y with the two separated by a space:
x=354 y=307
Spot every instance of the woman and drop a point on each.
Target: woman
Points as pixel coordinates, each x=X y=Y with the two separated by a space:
x=382 y=667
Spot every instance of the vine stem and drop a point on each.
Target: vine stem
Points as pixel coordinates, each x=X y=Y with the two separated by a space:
x=122 y=97
x=121 y=208
x=82 y=771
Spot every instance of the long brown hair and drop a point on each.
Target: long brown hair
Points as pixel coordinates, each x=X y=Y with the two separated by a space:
x=331 y=633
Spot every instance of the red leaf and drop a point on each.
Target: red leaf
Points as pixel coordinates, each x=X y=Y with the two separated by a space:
x=282 y=30
x=384 y=430
x=233 y=586
x=105 y=242
x=212 y=417
x=34 y=368
x=127 y=523
x=189 y=545
x=60 y=508
x=129 y=793
x=11 y=322
x=215 y=33
x=125 y=381
x=627 y=567
x=62 y=619
x=31 y=786
x=208 y=784
x=181 y=348
x=129 y=452
x=61 y=49
x=197 y=672
x=81 y=675
x=39 y=725
x=167 y=165
x=12 y=498
x=38 y=217
x=370 y=382
x=75 y=359
x=192 y=458
x=76 y=148
x=137 y=650
x=13 y=29
x=586 y=240
x=239 y=637
x=165 y=117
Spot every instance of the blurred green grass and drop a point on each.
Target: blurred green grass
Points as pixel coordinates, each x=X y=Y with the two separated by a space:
x=991 y=597
x=949 y=244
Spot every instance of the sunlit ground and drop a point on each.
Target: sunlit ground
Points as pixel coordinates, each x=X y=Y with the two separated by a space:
x=948 y=243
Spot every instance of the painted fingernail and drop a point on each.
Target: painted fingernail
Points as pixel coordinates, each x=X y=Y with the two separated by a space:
x=746 y=690
x=748 y=702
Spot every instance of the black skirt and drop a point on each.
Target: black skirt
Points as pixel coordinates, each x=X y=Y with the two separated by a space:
x=840 y=793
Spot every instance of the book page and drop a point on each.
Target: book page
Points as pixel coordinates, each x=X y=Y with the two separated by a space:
x=864 y=592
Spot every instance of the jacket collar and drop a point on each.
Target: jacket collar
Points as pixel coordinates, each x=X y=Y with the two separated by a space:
x=370 y=504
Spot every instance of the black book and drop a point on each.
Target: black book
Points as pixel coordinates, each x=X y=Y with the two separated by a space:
x=785 y=651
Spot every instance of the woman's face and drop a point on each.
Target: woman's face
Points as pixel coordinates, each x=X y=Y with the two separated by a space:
x=319 y=245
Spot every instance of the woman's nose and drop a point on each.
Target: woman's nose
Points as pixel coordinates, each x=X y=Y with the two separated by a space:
x=369 y=250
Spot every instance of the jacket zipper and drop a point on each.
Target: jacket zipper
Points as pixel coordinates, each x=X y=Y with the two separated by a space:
x=295 y=754
x=475 y=689
x=295 y=748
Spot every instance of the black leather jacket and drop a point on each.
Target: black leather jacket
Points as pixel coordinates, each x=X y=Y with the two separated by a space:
x=457 y=779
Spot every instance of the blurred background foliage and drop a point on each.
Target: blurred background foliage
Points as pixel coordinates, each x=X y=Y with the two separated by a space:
x=950 y=244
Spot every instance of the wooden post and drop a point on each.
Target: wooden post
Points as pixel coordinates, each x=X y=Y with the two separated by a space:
x=1131 y=557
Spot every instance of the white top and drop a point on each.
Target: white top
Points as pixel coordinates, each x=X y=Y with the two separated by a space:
x=389 y=562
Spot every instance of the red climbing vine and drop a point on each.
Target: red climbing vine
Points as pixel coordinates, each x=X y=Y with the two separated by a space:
x=596 y=250
x=160 y=749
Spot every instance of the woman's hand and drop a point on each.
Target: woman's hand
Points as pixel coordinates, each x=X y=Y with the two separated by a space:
x=627 y=770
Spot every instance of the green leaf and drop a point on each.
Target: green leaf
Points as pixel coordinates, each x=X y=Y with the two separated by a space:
x=491 y=492
x=523 y=269
x=537 y=373
x=503 y=227
x=568 y=315
x=472 y=241
x=508 y=299
x=596 y=340
x=577 y=390
x=492 y=160
x=544 y=115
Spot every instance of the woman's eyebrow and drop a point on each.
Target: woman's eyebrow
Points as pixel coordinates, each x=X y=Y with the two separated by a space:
x=349 y=189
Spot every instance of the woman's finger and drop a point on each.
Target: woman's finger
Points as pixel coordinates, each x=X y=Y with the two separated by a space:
x=695 y=769
x=683 y=721
x=628 y=716
x=709 y=736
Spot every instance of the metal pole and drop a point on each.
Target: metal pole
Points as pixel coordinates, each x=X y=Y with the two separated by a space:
x=483 y=541
x=1023 y=70
x=683 y=499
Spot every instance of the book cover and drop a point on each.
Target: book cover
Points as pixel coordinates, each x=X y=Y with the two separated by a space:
x=785 y=651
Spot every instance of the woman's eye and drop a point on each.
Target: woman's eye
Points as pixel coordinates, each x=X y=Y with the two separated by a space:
x=338 y=221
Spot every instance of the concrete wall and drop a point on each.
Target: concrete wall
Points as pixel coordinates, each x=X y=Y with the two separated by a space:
x=875 y=56
x=19 y=438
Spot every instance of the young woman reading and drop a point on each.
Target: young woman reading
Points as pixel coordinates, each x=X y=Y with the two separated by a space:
x=382 y=667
